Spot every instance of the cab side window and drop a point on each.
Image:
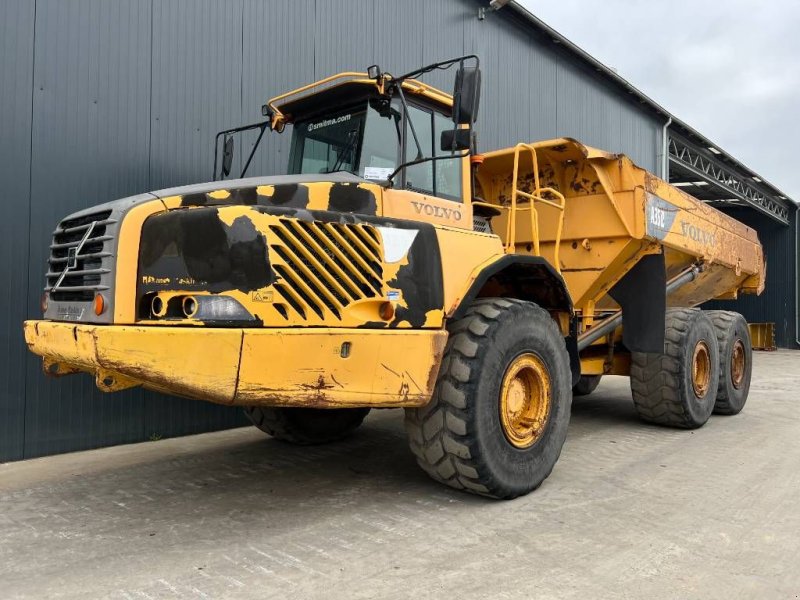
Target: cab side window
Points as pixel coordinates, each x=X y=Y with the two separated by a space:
x=447 y=171
x=441 y=178
x=419 y=178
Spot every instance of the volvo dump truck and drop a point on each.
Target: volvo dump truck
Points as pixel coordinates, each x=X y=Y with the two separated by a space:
x=394 y=266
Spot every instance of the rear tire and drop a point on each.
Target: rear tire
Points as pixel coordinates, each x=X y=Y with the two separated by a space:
x=306 y=426
x=735 y=361
x=586 y=385
x=501 y=406
x=679 y=387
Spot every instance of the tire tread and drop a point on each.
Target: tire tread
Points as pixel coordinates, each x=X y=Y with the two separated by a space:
x=656 y=378
x=438 y=433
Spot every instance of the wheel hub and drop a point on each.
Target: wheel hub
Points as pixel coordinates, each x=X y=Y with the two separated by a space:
x=701 y=369
x=525 y=400
x=738 y=364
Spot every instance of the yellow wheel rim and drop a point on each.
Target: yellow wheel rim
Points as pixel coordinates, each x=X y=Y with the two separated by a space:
x=701 y=369
x=738 y=364
x=525 y=400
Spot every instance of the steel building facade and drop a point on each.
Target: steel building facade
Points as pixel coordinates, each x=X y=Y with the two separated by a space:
x=101 y=100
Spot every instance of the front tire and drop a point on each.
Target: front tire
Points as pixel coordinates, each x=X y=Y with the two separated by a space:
x=499 y=413
x=306 y=426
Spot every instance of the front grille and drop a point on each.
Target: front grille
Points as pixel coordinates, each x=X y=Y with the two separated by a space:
x=85 y=266
x=323 y=267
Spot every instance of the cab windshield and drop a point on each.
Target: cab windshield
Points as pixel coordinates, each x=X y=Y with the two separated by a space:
x=367 y=139
x=364 y=140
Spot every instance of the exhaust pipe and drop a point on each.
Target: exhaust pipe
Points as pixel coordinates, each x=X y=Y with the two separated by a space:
x=189 y=306
x=158 y=307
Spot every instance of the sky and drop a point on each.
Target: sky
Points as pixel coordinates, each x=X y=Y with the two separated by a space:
x=730 y=69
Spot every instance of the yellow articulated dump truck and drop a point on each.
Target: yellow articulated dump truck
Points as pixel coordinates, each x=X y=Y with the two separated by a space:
x=396 y=267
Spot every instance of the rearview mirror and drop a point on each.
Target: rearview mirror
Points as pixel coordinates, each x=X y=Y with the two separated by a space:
x=454 y=140
x=227 y=155
x=466 y=95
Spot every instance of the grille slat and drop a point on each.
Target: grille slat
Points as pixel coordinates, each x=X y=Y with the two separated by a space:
x=81 y=273
x=310 y=273
x=300 y=288
x=323 y=267
x=84 y=256
x=319 y=254
x=373 y=247
x=81 y=228
x=351 y=279
x=366 y=270
x=76 y=241
x=357 y=244
x=85 y=277
x=291 y=298
x=78 y=288
x=357 y=273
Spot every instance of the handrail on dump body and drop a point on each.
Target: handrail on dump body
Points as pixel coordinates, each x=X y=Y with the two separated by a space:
x=533 y=198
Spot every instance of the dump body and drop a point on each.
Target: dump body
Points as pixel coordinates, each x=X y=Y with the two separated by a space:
x=615 y=213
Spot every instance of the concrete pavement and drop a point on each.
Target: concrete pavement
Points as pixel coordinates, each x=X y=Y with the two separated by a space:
x=631 y=511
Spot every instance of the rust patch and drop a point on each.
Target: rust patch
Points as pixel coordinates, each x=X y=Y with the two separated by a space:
x=433 y=373
x=319 y=385
x=403 y=392
x=317 y=395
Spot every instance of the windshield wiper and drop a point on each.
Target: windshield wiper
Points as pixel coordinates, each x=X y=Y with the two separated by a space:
x=347 y=150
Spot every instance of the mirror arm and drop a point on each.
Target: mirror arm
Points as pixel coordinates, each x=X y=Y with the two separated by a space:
x=262 y=125
x=445 y=64
x=255 y=147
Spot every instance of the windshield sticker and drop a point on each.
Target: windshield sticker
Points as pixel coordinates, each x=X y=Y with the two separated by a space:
x=377 y=172
x=328 y=122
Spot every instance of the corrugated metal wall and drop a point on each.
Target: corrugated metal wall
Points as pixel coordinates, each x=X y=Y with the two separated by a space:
x=16 y=75
x=101 y=100
x=778 y=303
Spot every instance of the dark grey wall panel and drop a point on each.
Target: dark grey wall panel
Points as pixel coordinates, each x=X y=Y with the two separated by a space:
x=343 y=36
x=778 y=303
x=197 y=85
x=594 y=115
x=394 y=48
x=440 y=33
x=272 y=64
x=91 y=96
x=16 y=75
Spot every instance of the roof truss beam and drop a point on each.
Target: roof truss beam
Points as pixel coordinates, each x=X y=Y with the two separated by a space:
x=723 y=178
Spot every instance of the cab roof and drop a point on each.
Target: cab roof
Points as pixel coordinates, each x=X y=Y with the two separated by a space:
x=345 y=88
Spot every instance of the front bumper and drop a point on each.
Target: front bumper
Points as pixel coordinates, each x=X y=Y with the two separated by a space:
x=260 y=366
